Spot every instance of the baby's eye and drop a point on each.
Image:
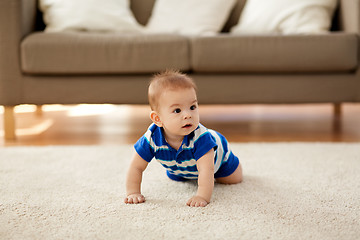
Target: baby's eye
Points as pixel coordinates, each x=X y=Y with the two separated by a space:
x=178 y=110
x=193 y=107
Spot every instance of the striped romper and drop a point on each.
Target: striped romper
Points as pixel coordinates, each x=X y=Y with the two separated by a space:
x=180 y=164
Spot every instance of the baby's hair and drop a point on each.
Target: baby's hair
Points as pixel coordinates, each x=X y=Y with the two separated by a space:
x=167 y=80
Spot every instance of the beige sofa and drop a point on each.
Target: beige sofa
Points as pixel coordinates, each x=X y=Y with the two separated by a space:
x=70 y=68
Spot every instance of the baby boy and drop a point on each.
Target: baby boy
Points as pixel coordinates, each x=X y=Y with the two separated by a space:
x=176 y=139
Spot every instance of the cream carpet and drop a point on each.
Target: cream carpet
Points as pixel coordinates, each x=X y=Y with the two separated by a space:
x=290 y=191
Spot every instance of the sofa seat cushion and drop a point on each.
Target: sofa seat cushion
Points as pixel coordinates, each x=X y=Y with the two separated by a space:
x=275 y=53
x=96 y=53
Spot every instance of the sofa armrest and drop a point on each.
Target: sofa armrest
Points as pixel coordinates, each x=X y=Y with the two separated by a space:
x=349 y=15
x=349 y=21
x=17 y=19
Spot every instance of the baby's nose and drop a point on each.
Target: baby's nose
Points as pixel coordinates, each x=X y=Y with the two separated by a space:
x=187 y=114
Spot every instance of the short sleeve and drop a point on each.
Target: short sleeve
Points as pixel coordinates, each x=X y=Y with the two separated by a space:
x=144 y=149
x=204 y=144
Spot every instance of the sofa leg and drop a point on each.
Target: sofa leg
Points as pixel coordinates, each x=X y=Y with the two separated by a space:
x=39 y=111
x=337 y=111
x=9 y=123
x=337 y=117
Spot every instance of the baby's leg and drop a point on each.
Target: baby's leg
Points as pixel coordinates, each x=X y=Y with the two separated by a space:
x=235 y=177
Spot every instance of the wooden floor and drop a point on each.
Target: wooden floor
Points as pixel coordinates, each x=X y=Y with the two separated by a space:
x=118 y=124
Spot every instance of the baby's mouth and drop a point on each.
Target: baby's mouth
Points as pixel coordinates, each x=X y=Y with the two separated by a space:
x=187 y=126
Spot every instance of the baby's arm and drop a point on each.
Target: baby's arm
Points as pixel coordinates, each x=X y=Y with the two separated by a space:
x=205 y=166
x=133 y=181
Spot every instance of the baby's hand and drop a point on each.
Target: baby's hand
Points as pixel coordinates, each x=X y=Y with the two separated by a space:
x=197 y=201
x=134 y=198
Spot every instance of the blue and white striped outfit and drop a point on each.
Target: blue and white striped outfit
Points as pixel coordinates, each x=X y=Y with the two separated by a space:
x=181 y=164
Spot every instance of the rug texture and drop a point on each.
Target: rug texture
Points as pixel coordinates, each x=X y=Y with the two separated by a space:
x=290 y=191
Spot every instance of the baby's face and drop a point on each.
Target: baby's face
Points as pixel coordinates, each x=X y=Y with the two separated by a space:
x=179 y=111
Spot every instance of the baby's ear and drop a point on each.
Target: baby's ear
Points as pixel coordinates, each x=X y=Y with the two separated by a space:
x=154 y=116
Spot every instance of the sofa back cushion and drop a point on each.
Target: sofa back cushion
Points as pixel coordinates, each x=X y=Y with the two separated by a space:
x=142 y=10
x=235 y=15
